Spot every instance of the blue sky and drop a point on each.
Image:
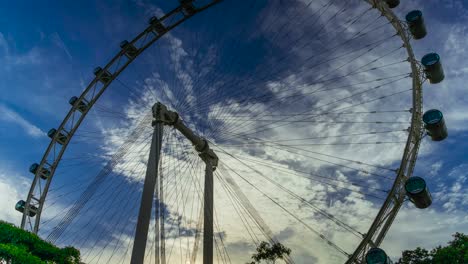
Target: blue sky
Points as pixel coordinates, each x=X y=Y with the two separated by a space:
x=237 y=62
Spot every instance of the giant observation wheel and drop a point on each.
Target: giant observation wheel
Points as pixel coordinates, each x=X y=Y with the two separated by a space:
x=316 y=112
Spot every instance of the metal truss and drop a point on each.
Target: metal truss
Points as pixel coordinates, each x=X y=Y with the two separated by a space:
x=164 y=117
x=396 y=196
x=130 y=50
x=159 y=27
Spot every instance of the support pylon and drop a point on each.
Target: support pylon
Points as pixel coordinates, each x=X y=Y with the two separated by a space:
x=162 y=116
x=144 y=215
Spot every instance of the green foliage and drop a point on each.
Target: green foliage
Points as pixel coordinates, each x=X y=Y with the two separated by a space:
x=18 y=246
x=417 y=256
x=455 y=253
x=18 y=255
x=270 y=253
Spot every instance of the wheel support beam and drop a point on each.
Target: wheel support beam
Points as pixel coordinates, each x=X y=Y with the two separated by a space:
x=162 y=116
x=395 y=198
x=208 y=215
x=144 y=215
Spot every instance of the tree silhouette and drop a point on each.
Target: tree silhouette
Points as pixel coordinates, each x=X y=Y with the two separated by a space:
x=455 y=253
x=270 y=253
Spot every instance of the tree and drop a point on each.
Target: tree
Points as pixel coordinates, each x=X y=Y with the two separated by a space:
x=455 y=253
x=417 y=256
x=270 y=253
x=18 y=246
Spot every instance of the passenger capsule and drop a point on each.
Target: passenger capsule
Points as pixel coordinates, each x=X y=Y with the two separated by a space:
x=417 y=191
x=392 y=3
x=157 y=25
x=103 y=75
x=44 y=174
x=21 y=205
x=82 y=106
x=61 y=138
x=433 y=67
x=377 y=256
x=129 y=49
x=434 y=124
x=188 y=7
x=416 y=25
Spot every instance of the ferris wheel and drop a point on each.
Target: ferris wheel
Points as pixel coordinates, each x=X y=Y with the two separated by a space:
x=222 y=125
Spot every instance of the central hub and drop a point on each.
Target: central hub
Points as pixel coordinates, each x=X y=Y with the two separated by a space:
x=162 y=115
x=167 y=117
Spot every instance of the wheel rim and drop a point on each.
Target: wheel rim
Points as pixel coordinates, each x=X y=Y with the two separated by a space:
x=381 y=223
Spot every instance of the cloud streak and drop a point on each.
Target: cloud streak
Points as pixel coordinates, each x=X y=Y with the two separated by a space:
x=57 y=40
x=347 y=204
x=12 y=188
x=10 y=116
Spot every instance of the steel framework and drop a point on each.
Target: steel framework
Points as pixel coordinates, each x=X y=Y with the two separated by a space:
x=149 y=186
x=396 y=196
x=164 y=117
x=159 y=27
x=129 y=52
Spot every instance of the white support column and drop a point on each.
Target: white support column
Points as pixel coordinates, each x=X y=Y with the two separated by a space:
x=144 y=215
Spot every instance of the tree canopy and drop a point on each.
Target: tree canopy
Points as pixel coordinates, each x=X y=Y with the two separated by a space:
x=18 y=246
x=454 y=253
x=270 y=253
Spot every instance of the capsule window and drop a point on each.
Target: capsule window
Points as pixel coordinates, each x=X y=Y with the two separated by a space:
x=61 y=138
x=416 y=25
x=51 y=132
x=73 y=100
x=21 y=205
x=33 y=168
x=123 y=44
x=434 y=124
x=377 y=256
x=433 y=116
x=103 y=75
x=129 y=49
x=417 y=191
x=44 y=174
x=392 y=3
x=433 y=67
x=82 y=106
x=157 y=26
x=188 y=7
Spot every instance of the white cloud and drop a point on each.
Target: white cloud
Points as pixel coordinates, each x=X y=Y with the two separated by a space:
x=435 y=168
x=13 y=187
x=352 y=207
x=57 y=40
x=422 y=228
x=452 y=194
x=4 y=44
x=31 y=57
x=10 y=116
